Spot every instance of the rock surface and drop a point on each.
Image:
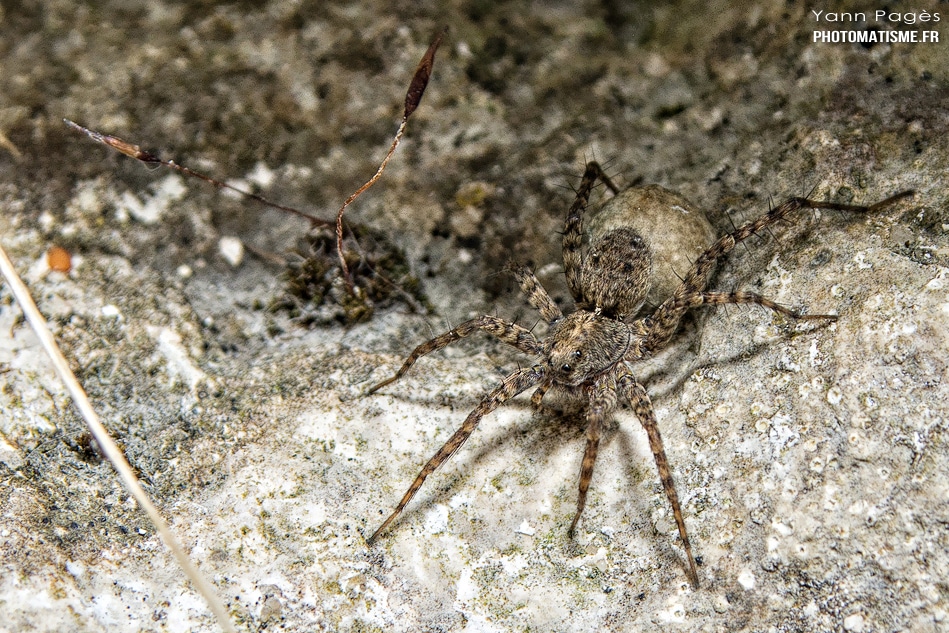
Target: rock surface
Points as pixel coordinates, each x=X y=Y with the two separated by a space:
x=812 y=462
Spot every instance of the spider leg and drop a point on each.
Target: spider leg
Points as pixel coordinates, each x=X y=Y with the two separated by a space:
x=536 y=294
x=602 y=401
x=509 y=333
x=537 y=397
x=642 y=406
x=720 y=298
x=665 y=320
x=573 y=228
x=514 y=384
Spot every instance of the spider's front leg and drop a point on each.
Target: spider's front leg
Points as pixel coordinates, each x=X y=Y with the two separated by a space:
x=514 y=384
x=636 y=394
x=720 y=298
x=509 y=333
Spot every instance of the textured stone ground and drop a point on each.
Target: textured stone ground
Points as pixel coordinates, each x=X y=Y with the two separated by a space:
x=811 y=462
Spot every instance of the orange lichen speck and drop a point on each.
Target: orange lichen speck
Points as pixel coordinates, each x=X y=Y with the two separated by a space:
x=59 y=259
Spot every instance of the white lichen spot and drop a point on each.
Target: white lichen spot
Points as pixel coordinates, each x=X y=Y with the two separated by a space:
x=317 y=514
x=231 y=249
x=787 y=363
x=781 y=433
x=939 y=281
x=834 y=395
x=746 y=579
x=512 y=565
x=436 y=519
x=76 y=569
x=177 y=357
x=459 y=500
x=662 y=523
x=854 y=622
x=674 y=614
x=110 y=311
x=526 y=529
x=262 y=176
x=466 y=590
x=814 y=355
x=46 y=221
x=166 y=191
x=347 y=450
x=860 y=259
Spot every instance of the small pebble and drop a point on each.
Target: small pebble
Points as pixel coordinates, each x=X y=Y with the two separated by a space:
x=232 y=250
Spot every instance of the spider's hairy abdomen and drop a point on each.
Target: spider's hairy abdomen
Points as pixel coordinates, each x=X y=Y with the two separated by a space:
x=615 y=273
x=675 y=231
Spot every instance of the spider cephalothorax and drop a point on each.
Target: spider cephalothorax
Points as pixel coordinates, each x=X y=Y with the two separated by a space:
x=589 y=351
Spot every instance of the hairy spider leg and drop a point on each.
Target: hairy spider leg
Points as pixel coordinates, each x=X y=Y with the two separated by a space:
x=519 y=381
x=573 y=229
x=740 y=296
x=536 y=293
x=602 y=401
x=509 y=333
x=663 y=323
x=636 y=395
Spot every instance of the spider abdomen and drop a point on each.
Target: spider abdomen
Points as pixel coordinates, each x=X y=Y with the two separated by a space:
x=675 y=232
x=616 y=271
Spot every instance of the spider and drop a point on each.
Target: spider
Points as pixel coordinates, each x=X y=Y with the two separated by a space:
x=588 y=353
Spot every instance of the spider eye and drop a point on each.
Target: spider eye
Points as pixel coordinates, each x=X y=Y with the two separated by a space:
x=566 y=368
x=577 y=354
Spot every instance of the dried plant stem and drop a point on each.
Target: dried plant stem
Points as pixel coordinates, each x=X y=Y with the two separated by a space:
x=112 y=452
x=134 y=151
x=413 y=97
x=356 y=194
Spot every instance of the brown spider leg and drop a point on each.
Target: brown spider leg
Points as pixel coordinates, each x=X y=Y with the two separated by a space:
x=537 y=398
x=536 y=294
x=514 y=384
x=573 y=228
x=602 y=401
x=665 y=320
x=509 y=333
x=719 y=298
x=636 y=394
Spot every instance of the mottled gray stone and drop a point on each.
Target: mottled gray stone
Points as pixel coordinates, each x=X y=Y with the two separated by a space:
x=812 y=462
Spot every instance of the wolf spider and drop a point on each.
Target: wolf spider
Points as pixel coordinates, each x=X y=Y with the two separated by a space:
x=588 y=352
